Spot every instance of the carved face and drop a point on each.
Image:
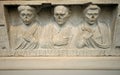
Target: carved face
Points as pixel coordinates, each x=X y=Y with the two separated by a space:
x=91 y=16
x=61 y=14
x=27 y=16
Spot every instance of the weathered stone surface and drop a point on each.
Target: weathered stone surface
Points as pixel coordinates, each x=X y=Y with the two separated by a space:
x=60 y=34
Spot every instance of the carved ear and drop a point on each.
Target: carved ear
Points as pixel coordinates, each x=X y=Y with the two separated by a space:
x=69 y=9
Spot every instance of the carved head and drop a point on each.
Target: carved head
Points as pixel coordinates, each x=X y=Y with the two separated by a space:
x=27 y=14
x=61 y=14
x=91 y=14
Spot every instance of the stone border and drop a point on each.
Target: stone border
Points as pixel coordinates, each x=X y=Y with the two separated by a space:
x=54 y=2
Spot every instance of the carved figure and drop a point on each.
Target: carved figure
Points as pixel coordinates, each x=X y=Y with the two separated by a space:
x=93 y=34
x=59 y=33
x=26 y=34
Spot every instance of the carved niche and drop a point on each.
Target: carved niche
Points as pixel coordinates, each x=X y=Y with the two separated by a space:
x=59 y=30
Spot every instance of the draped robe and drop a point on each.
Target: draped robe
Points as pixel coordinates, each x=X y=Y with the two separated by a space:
x=101 y=37
x=26 y=37
x=56 y=37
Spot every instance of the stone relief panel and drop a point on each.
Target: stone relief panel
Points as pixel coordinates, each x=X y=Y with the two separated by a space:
x=61 y=30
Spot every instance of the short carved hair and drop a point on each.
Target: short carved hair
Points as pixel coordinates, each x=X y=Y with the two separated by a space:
x=92 y=7
x=26 y=7
x=67 y=8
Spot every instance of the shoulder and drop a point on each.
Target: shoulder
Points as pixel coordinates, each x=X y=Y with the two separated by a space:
x=17 y=27
x=103 y=25
x=50 y=25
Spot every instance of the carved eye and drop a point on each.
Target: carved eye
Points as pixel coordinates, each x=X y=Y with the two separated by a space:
x=90 y=14
x=29 y=14
x=3 y=47
x=56 y=14
x=23 y=14
x=62 y=14
x=96 y=14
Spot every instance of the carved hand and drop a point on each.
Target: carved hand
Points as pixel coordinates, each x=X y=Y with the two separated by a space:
x=29 y=39
x=87 y=32
x=60 y=40
x=88 y=29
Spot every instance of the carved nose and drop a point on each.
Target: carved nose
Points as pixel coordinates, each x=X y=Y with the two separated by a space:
x=26 y=17
x=93 y=17
x=59 y=17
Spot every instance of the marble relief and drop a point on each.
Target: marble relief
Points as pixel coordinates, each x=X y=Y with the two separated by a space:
x=66 y=30
x=59 y=34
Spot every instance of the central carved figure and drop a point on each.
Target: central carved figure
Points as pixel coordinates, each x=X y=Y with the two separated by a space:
x=59 y=33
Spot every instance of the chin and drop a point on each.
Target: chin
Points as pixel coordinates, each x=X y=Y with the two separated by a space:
x=91 y=23
x=60 y=23
x=26 y=23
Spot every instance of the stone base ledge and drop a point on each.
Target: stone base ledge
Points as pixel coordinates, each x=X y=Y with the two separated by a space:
x=54 y=63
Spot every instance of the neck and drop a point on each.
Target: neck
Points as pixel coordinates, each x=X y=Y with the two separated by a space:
x=28 y=25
